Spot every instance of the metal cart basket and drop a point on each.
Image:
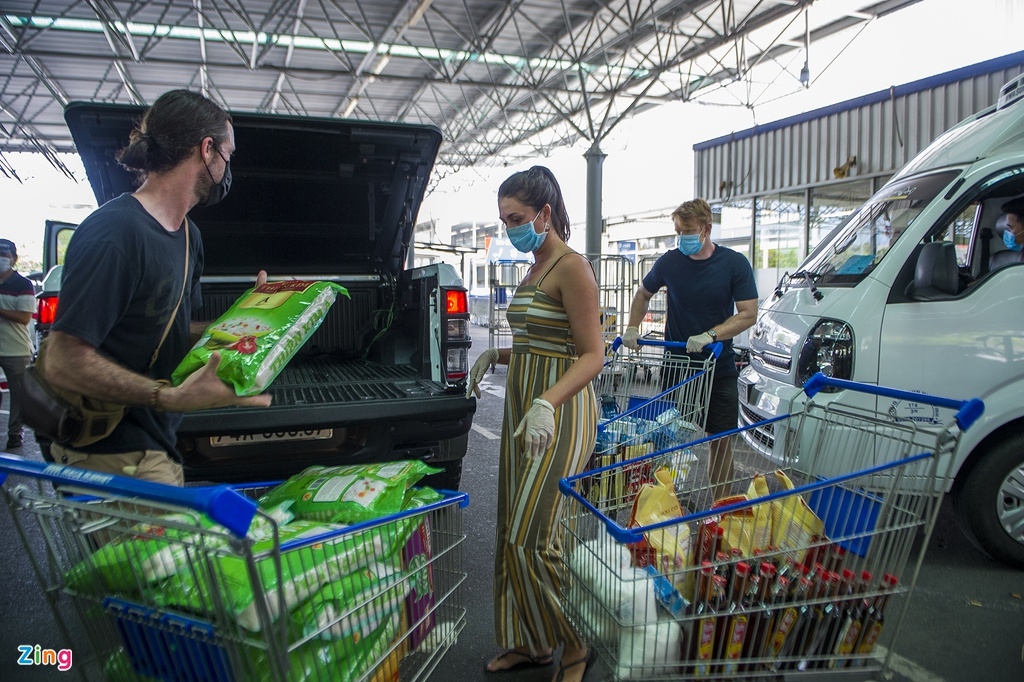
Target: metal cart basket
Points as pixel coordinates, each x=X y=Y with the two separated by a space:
x=650 y=402
x=199 y=584
x=803 y=570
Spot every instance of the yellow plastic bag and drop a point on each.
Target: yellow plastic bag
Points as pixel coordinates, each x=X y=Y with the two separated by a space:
x=749 y=528
x=794 y=525
x=671 y=548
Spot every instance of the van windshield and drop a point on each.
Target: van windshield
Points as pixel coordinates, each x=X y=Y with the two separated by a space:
x=853 y=249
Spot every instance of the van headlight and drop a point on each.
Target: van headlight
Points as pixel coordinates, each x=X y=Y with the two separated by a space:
x=828 y=349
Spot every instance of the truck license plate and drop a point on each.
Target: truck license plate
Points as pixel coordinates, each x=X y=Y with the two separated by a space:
x=275 y=436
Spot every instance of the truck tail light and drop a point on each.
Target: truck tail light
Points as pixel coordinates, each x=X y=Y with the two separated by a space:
x=46 y=309
x=455 y=340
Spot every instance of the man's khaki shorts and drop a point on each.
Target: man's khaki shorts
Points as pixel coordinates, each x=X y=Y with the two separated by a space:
x=145 y=465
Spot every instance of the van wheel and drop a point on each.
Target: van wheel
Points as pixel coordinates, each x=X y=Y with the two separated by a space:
x=990 y=502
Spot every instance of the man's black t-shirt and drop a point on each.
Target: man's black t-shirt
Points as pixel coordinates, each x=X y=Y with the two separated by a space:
x=122 y=278
x=703 y=293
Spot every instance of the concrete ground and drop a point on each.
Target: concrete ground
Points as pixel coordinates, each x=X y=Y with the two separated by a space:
x=965 y=620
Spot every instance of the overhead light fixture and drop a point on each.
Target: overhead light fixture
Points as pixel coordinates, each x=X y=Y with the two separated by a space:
x=350 y=107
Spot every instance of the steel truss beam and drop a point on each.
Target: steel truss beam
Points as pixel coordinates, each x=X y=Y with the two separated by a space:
x=504 y=80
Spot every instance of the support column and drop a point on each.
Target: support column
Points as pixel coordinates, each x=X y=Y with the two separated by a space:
x=595 y=159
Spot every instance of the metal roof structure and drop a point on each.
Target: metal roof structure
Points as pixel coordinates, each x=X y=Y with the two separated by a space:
x=503 y=80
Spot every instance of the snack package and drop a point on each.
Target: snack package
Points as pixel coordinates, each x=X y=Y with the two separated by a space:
x=261 y=332
x=795 y=526
x=671 y=551
x=349 y=494
x=417 y=556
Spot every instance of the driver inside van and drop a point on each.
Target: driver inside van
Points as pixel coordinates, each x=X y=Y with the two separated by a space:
x=1013 y=233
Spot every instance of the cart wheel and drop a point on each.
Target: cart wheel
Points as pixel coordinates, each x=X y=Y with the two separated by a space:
x=989 y=502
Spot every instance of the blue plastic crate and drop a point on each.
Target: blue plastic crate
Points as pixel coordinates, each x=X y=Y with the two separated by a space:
x=168 y=646
x=850 y=516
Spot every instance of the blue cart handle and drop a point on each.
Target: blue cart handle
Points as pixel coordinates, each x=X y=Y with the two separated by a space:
x=968 y=411
x=713 y=348
x=227 y=507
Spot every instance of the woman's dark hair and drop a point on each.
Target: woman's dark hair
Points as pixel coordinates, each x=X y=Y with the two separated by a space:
x=170 y=129
x=536 y=187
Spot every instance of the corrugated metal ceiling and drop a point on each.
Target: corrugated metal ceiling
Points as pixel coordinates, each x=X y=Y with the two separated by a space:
x=502 y=80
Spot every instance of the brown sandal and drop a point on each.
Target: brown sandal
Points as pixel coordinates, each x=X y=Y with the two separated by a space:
x=527 y=662
x=586 y=660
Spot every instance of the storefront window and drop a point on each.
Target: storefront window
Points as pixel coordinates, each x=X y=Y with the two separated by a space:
x=778 y=237
x=832 y=204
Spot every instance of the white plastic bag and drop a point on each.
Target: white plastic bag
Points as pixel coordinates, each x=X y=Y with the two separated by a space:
x=650 y=650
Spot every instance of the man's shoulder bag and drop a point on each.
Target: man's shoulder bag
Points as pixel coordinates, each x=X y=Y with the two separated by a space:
x=70 y=418
x=66 y=417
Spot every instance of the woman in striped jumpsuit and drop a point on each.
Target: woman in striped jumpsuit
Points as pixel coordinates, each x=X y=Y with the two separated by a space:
x=549 y=426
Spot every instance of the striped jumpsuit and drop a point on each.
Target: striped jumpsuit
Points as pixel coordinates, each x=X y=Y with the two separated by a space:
x=527 y=556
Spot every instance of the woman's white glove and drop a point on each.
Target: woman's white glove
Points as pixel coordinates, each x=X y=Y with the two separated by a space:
x=487 y=360
x=696 y=343
x=537 y=427
x=629 y=338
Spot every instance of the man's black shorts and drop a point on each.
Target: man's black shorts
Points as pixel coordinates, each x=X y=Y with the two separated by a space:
x=724 y=402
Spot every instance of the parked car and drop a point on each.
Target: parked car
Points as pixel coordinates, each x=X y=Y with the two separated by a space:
x=328 y=199
x=911 y=292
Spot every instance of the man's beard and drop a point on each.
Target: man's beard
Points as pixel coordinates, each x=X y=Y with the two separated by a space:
x=201 y=191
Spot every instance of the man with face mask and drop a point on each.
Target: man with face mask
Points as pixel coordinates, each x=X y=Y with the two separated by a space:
x=130 y=283
x=17 y=303
x=1013 y=235
x=711 y=297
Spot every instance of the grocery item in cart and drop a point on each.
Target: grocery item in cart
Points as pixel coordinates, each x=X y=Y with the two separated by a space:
x=375 y=592
x=302 y=571
x=670 y=547
x=261 y=332
x=349 y=494
x=794 y=524
x=338 y=660
x=609 y=584
x=649 y=650
x=420 y=601
x=157 y=550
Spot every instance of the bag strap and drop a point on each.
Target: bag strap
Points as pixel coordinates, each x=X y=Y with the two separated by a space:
x=181 y=297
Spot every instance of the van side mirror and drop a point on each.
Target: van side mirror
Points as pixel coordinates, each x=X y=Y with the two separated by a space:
x=936 y=275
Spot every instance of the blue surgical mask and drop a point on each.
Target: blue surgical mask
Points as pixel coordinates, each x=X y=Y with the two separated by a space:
x=525 y=237
x=5 y=264
x=689 y=244
x=1010 y=240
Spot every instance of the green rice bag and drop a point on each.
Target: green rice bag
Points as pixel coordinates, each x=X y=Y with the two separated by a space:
x=304 y=570
x=154 y=551
x=349 y=494
x=336 y=660
x=129 y=562
x=261 y=332
x=354 y=606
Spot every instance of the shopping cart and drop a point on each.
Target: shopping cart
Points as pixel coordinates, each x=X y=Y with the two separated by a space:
x=159 y=582
x=806 y=570
x=649 y=402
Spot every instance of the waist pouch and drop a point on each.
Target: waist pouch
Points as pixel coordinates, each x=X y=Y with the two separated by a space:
x=68 y=418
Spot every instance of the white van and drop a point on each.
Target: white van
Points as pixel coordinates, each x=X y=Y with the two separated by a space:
x=913 y=291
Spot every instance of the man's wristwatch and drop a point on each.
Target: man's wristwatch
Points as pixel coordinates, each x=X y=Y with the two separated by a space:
x=713 y=334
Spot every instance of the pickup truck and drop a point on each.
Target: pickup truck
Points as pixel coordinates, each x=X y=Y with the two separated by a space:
x=383 y=378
